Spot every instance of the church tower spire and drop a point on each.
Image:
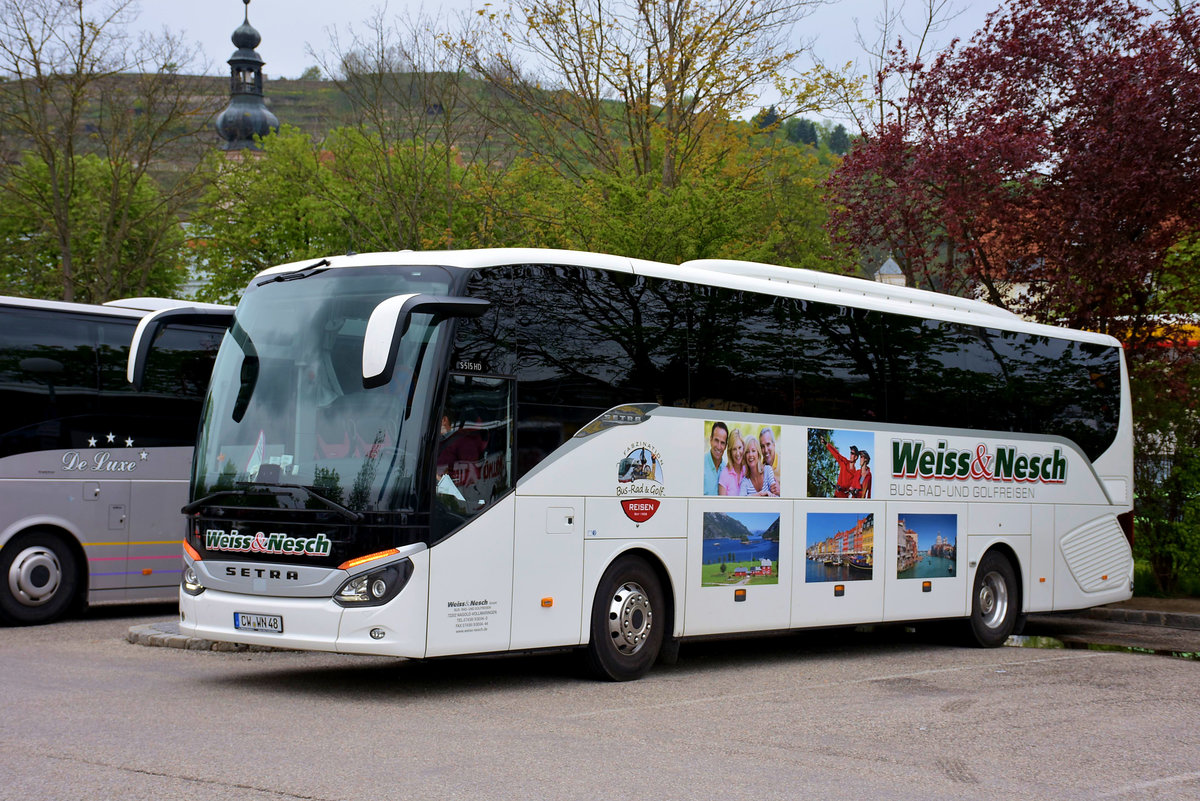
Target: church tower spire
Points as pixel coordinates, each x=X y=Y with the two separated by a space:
x=247 y=114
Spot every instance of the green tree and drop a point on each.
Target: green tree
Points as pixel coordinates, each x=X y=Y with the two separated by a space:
x=839 y=140
x=802 y=131
x=136 y=253
x=299 y=199
x=78 y=86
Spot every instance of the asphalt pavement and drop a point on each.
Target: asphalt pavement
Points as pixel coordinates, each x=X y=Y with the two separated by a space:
x=1163 y=626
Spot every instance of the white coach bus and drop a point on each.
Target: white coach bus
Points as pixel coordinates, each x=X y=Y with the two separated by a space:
x=428 y=454
x=93 y=471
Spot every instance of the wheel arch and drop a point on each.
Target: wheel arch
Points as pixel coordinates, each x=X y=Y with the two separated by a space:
x=64 y=531
x=658 y=564
x=1002 y=548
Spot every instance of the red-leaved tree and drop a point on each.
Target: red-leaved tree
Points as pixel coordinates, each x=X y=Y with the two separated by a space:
x=1049 y=164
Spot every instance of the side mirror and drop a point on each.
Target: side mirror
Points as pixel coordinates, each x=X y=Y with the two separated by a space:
x=150 y=325
x=389 y=320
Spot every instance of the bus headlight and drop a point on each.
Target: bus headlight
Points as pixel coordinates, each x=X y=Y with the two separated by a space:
x=375 y=588
x=191 y=582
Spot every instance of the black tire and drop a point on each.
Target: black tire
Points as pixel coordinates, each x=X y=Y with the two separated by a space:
x=995 y=601
x=38 y=579
x=628 y=617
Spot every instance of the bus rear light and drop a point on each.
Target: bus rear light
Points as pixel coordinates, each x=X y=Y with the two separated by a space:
x=375 y=588
x=1126 y=521
x=362 y=560
x=191 y=552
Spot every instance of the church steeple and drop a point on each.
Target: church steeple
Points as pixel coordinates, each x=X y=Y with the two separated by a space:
x=247 y=114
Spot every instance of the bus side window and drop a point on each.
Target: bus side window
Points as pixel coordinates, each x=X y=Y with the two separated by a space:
x=475 y=446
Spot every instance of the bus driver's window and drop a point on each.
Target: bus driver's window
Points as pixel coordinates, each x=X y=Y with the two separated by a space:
x=474 y=451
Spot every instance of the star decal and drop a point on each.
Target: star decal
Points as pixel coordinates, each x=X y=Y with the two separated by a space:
x=129 y=442
x=144 y=456
x=110 y=437
x=91 y=442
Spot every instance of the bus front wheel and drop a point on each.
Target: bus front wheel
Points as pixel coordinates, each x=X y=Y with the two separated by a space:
x=994 y=604
x=627 y=621
x=37 y=579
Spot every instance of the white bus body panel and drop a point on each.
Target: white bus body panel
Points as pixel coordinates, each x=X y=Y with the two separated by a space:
x=599 y=554
x=1093 y=564
x=471 y=585
x=126 y=521
x=548 y=571
x=713 y=610
x=816 y=603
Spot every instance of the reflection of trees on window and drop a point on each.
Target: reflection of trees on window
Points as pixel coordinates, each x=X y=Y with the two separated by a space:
x=581 y=341
x=741 y=356
x=1067 y=388
x=944 y=374
x=598 y=339
x=839 y=366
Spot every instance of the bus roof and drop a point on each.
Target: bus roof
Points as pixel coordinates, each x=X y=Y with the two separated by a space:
x=124 y=307
x=748 y=276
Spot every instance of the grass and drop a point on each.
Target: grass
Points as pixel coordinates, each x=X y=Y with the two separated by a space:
x=1145 y=584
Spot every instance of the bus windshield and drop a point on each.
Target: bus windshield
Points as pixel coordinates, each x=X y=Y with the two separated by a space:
x=288 y=423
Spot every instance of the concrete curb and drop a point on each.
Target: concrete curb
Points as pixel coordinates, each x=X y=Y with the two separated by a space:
x=1143 y=617
x=166 y=635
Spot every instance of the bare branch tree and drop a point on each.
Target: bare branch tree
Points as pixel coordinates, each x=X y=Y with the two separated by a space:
x=77 y=84
x=631 y=84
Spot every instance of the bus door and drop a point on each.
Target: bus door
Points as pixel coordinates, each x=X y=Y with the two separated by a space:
x=471 y=563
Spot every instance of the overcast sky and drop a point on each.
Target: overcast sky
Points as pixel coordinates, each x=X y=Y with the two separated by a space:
x=291 y=27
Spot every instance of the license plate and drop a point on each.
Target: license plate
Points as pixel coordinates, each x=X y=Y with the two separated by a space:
x=249 y=621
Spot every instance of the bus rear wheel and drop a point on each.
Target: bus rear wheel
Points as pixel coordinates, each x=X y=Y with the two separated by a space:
x=627 y=621
x=994 y=601
x=37 y=579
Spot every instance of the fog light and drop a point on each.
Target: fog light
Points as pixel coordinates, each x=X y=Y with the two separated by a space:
x=377 y=634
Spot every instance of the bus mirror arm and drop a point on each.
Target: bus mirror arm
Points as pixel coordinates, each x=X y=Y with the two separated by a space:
x=150 y=326
x=389 y=320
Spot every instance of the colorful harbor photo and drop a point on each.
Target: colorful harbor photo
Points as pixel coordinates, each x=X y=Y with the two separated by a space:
x=741 y=459
x=839 y=463
x=927 y=546
x=740 y=548
x=839 y=546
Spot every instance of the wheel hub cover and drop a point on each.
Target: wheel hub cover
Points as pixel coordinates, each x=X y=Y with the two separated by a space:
x=630 y=618
x=34 y=576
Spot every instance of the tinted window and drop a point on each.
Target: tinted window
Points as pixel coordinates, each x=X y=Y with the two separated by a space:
x=838 y=363
x=945 y=374
x=62 y=382
x=582 y=341
x=167 y=410
x=48 y=380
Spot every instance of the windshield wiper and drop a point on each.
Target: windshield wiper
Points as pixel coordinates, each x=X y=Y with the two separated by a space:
x=275 y=489
x=295 y=275
x=196 y=504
